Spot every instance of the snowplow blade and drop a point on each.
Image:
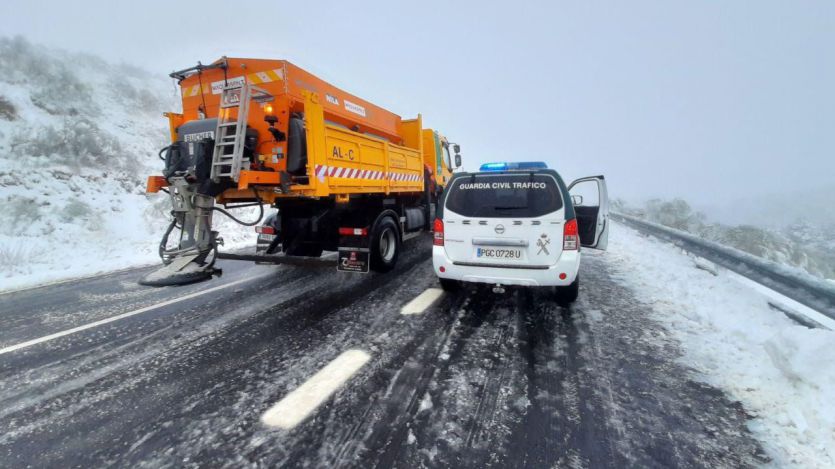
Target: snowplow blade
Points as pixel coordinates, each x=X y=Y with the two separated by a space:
x=181 y=271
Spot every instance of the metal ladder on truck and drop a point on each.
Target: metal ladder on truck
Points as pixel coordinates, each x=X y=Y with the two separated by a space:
x=230 y=134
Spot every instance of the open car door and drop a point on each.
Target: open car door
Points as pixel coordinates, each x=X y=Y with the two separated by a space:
x=591 y=207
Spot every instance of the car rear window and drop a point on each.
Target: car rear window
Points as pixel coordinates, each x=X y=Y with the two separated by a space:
x=504 y=196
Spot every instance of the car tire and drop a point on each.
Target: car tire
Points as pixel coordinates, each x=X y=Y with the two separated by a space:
x=567 y=295
x=449 y=285
x=385 y=245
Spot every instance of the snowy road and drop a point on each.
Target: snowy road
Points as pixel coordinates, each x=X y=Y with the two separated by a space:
x=474 y=380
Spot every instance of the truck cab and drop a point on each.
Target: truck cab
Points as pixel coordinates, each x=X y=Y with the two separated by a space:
x=438 y=156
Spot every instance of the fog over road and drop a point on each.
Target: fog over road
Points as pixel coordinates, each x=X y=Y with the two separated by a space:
x=475 y=380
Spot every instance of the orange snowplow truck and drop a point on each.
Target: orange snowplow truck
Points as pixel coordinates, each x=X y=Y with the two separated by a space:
x=345 y=175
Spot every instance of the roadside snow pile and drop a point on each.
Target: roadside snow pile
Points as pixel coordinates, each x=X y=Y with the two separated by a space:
x=78 y=137
x=783 y=373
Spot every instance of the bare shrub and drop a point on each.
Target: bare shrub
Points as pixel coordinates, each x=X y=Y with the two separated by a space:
x=78 y=143
x=18 y=213
x=12 y=256
x=18 y=255
x=7 y=110
x=78 y=212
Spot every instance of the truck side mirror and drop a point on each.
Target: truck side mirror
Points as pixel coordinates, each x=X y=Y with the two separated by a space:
x=457 y=160
x=577 y=199
x=456 y=147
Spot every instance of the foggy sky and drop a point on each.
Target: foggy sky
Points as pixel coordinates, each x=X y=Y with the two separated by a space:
x=711 y=101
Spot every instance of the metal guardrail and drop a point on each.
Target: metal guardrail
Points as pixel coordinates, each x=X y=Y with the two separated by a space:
x=816 y=294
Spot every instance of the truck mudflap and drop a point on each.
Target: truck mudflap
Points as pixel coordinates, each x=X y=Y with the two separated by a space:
x=354 y=250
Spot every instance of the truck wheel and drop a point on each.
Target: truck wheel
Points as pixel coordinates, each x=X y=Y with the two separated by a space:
x=567 y=295
x=385 y=245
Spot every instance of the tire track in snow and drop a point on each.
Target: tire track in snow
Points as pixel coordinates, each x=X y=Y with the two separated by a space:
x=469 y=399
x=218 y=379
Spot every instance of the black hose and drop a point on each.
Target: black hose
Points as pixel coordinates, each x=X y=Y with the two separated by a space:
x=164 y=241
x=236 y=220
x=161 y=152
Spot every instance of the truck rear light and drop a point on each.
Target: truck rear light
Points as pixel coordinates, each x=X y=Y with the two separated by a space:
x=265 y=230
x=570 y=236
x=348 y=231
x=438 y=228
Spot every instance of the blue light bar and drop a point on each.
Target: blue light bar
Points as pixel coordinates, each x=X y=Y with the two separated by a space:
x=514 y=166
x=494 y=167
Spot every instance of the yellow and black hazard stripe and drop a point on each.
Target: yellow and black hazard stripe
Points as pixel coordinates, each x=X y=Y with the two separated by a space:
x=268 y=76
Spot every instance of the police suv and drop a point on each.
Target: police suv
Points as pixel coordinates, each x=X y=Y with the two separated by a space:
x=518 y=224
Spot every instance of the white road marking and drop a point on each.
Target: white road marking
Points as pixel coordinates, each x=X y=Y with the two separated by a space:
x=296 y=406
x=422 y=301
x=91 y=325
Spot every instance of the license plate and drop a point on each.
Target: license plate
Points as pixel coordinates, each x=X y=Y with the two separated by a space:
x=266 y=237
x=353 y=260
x=498 y=253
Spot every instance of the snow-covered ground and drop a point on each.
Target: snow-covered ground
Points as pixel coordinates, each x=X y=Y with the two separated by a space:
x=783 y=373
x=78 y=138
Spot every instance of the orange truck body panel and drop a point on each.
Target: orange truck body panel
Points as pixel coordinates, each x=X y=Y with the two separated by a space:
x=353 y=145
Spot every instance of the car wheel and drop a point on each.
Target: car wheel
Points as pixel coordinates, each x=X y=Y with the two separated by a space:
x=385 y=245
x=449 y=285
x=567 y=295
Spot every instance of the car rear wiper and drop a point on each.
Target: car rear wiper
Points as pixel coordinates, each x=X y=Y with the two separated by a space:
x=511 y=207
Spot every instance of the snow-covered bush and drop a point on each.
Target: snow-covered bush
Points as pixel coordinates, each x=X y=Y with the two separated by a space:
x=75 y=142
x=7 y=110
x=674 y=213
x=78 y=138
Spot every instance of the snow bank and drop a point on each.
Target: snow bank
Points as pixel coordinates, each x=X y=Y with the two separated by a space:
x=783 y=373
x=78 y=137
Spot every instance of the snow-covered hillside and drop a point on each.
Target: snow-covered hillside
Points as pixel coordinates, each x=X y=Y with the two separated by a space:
x=782 y=372
x=78 y=137
x=803 y=245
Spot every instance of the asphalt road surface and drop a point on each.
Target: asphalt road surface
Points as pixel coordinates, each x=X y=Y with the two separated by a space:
x=103 y=372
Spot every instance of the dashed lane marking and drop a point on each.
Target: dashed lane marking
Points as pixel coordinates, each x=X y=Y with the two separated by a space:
x=118 y=317
x=422 y=301
x=296 y=406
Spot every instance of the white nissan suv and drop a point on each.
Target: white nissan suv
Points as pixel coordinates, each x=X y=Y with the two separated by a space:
x=517 y=224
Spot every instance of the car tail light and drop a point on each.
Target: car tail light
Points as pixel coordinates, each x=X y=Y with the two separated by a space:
x=438 y=228
x=347 y=231
x=570 y=236
x=265 y=230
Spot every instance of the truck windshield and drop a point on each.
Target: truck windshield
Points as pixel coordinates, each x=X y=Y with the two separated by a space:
x=504 y=196
x=447 y=157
